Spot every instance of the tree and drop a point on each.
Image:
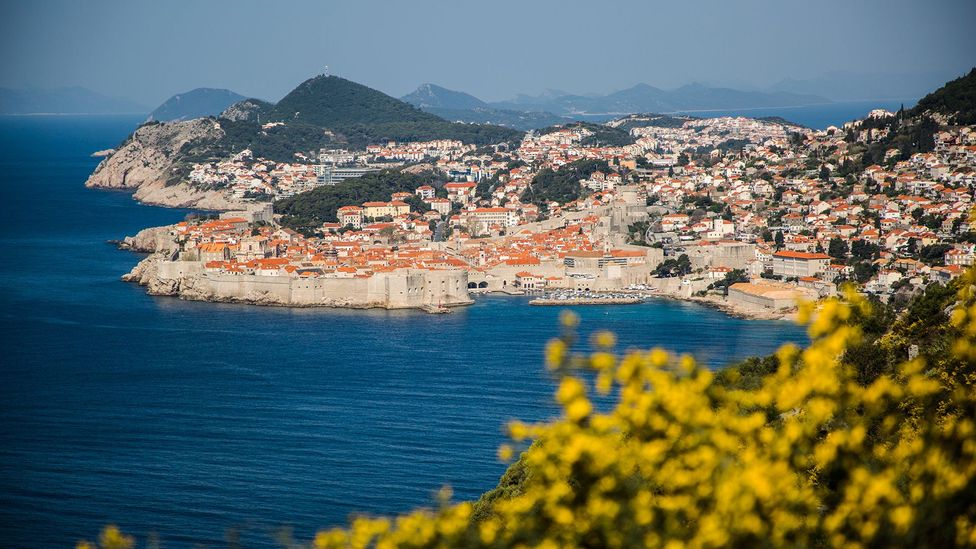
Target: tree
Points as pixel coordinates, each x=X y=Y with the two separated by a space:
x=864 y=270
x=824 y=173
x=864 y=250
x=674 y=267
x=562 y=185
x=934 y=254
x=845 y=443
x=734 y=276
x=837 y=248
x=390 y=234
x=912 y=246
x=932 y=221
x=684 y=264
x=637 y=232
x=307 y=211
x=779 y=240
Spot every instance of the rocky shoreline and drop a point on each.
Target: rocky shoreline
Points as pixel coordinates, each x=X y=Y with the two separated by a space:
x=144 y=164
x=147 y=240
x=194 y=286
x=746 y=312
x=158 y=244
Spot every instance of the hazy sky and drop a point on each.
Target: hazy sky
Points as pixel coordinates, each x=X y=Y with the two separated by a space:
x=494 y=49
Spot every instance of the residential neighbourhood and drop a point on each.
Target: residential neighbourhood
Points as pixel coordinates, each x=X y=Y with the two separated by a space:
x=773 y=210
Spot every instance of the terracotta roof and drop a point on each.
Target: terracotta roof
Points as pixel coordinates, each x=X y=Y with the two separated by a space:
x=800 y=255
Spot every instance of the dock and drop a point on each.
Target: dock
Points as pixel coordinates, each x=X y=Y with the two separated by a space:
x=587 y=298
x=587 y=301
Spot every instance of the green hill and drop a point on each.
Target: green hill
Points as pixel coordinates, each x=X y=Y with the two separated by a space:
x=519 y=120
x=956 y=100
x=332 y=101
x=196 y=103
x=360 y=115
x=603 y=135
x=913 y=131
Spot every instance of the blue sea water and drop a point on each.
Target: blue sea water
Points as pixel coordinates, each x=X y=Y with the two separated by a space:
x=188 y=419
x=817 y=117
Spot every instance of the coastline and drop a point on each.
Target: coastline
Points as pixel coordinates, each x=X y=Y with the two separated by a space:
x=738 y=310
x=145 y=164
x=194 y=285
x=731 y=309
x=161 y=275
x=180 y=195
x=543 y=302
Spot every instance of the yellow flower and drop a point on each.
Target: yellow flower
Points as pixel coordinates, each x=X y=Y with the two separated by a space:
x=605 y=339
x=815 y=455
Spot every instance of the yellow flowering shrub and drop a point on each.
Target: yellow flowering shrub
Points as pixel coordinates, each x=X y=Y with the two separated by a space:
x=668 y=457
x=111 y=538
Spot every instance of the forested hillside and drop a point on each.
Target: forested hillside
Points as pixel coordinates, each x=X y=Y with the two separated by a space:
x=307 y=211
x=602 y=135
x=957 y=100
x=360 y=115
x=562 y=185
x=912 y=131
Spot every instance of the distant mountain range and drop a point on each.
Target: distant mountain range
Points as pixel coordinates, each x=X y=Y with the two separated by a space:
x=553 y=107
x=196 y=103
x=519 y=120
x=647 y=98
x=433 y=96
x=70 y=100
x=458 y=106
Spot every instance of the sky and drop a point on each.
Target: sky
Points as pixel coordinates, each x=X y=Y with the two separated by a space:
x=494 y=49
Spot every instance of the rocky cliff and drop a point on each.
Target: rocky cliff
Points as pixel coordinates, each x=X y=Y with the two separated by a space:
x=147 y=161
x=158 y=280
x=249 y=110
x=153 y=239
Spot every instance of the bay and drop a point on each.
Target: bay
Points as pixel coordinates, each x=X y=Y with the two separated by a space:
x=189 y=419
x=818 y=117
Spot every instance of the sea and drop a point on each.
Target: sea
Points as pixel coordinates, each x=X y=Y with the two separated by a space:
x=200 y=423
x=817 y=117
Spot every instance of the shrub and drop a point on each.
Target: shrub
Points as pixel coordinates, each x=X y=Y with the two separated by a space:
x=796 y=450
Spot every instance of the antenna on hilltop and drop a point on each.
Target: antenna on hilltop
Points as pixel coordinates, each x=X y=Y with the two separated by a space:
x=326 y=71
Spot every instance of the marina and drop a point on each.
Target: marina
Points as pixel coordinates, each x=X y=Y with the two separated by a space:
x=587 y=298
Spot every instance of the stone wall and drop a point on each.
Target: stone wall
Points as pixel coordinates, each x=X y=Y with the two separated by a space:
x=769 y=295
x=726 y=254
x=608 y=278
x=403 y=288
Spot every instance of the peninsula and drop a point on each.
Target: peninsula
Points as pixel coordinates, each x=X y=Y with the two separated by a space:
x=330 y=201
